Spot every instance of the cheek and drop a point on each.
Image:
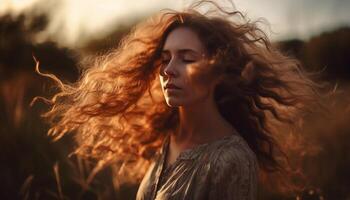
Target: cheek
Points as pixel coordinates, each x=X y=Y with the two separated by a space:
x=198 y=81
x=199 y=74
x=197 y=91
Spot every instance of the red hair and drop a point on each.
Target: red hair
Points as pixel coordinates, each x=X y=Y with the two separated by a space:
x=118 y=113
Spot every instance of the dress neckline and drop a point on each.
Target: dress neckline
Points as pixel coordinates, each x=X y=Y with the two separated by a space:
x=192 y=153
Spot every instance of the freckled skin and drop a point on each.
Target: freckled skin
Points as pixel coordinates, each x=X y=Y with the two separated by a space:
x=178 y=66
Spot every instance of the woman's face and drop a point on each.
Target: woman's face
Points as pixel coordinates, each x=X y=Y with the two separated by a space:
x=183 y=52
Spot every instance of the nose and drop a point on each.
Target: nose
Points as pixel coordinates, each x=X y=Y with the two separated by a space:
x=170 y=69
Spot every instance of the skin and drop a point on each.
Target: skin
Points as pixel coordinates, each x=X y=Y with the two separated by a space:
x=200 y=120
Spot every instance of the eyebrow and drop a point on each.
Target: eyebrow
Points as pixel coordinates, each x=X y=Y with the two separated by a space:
x=182 y=51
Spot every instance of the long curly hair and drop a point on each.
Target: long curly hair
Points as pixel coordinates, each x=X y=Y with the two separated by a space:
x=119 y=116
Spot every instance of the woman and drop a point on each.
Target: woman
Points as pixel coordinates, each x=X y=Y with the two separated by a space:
x=189 y=104
x=217 y=164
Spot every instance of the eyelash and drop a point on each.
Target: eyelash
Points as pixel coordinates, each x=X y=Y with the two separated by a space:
x=184 y=60
x=188 y=61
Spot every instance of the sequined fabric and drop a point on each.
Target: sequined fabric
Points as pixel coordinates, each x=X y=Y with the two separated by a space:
x=224 y=169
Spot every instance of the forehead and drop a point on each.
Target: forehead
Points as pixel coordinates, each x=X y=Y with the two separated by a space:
x=183 y=38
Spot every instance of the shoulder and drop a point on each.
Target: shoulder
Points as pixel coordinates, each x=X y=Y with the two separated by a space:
x=233 y=171
x=233 y=153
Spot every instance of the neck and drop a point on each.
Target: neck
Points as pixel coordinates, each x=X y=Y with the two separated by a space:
x=200 y=123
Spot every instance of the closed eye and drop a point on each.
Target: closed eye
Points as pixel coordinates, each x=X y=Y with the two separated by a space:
x=188 y=61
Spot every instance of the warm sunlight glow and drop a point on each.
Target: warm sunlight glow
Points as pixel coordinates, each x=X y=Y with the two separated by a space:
x=73 y=21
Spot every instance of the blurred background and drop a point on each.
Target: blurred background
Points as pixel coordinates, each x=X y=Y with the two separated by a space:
x=63 y=33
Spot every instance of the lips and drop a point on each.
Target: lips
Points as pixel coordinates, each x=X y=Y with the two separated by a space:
x=171 y=86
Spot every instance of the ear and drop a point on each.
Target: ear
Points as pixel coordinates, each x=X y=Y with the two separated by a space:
x=248 y=72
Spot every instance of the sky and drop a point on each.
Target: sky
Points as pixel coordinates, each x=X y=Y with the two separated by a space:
x=72 y=20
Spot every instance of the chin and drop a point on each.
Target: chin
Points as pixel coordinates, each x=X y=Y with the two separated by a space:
x=174 y=102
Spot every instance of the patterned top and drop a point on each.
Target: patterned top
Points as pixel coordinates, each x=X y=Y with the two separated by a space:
x=224 y=169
